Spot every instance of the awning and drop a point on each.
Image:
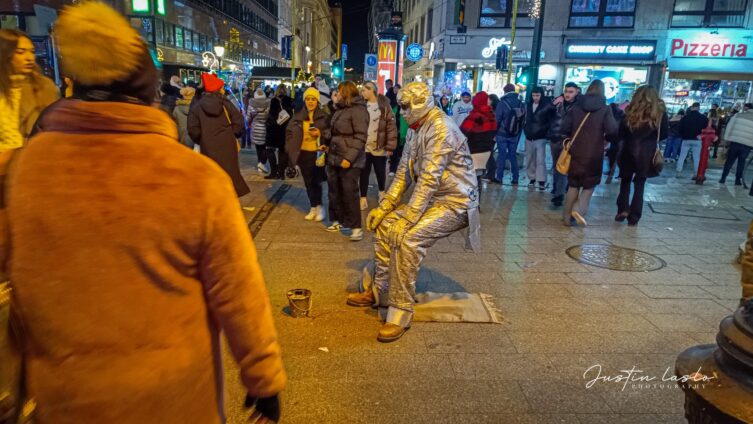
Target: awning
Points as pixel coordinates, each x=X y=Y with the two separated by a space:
x=737 y=69
x=272 y=72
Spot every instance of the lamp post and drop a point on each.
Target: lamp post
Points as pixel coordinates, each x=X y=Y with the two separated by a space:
x=533 y=69
x=219 y=51
x=716 y=378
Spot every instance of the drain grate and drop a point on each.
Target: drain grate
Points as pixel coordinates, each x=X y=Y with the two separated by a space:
x=615 y=258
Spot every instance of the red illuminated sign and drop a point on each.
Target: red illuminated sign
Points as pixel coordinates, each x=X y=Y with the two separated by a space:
x=682 y=48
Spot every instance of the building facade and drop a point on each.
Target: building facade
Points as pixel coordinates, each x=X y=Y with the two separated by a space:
x=182 y=35
x=699 y=50
x=380 y=12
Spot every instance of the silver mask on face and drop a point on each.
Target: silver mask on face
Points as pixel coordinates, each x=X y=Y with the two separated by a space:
x=415 y=101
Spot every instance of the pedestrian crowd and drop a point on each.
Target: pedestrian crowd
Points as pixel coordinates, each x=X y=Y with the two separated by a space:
x=159 y=291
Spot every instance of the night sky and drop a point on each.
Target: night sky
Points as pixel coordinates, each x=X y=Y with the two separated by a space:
x=355 y=31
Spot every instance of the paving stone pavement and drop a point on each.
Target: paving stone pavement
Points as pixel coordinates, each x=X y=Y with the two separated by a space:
x=561 y=317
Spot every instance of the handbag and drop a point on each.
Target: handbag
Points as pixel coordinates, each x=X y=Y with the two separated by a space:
x=282 y=117
x=14 y=407
x=237 y=140
x=658 y=159
x=563 y=161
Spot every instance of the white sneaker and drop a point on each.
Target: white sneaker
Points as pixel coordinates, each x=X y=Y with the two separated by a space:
x=335 y=227
x=356 y=235
x=579 y=218
x=319 y=214
x=262 y=168
x=312 y=214
x=364 y=204
x=381 y=196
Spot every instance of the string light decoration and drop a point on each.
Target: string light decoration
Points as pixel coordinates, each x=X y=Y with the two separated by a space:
x=535 y=9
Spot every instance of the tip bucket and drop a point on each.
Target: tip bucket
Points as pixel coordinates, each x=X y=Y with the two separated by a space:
x=300 y=302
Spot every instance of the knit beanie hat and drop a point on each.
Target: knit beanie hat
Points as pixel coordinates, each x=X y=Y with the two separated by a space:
x=259 y=94
x=212 y=83
x=311 y=92
x=509 y=88
x=114 y=65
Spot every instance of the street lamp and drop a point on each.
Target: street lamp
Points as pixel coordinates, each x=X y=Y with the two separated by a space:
x=219 y=51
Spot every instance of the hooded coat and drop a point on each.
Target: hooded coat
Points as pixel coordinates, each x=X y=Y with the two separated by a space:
x=587 y=150
x=349 y=128
x=638 y=148
x=480 y=127
x=258 y=113
x=208 y=126
x=122 y=301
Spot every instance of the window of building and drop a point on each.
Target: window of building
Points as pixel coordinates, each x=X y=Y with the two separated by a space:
x=711 y=13
x=429 y=18
x=159 y=31
x=498 y=14
x=178 y=37
x=196 y=42
x=602 y=13
x=188 y=42
x=422 y=29
x=9 y=22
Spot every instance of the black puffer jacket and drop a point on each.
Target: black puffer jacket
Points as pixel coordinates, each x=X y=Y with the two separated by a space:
x=587 y=149
x=692 y=124
x=349 y=127
x=294 y=132
x=276 y=133
x=555 y=125
x=538 y=122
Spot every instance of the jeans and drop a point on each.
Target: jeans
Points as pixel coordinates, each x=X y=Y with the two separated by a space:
x=634 y=208
x=559 y=181
x=672 y=149
x=536 y=158
x=736 y=152
x=344 y=206
x=507 y=148
x=277 y=166
x=313 y=176
x=688 y=146
x=379 y=163
x=261 y=153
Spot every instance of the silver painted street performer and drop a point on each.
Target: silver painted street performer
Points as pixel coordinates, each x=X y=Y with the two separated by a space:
x=444 y=200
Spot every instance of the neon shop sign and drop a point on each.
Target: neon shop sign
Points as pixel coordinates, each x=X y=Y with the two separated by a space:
x=611 y=49
x=491 y=49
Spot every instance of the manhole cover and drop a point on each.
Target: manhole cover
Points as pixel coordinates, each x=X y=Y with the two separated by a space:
x=615 y=258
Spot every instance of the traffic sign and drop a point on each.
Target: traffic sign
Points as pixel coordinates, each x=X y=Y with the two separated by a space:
x=414 y=52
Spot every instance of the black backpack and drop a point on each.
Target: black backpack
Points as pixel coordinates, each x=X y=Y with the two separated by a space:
x=513 y=121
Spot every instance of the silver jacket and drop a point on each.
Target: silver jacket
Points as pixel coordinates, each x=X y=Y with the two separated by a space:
x=438 y=161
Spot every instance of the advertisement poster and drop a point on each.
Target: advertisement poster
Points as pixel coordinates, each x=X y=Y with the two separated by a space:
x=386 y=63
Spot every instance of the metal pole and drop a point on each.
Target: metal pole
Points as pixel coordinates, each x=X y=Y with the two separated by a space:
x=292 y=50
x=512 y=39
x=533 y=70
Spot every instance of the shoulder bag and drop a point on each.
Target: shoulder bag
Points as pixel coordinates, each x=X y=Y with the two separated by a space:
x=237 y=140
x=658 y=160
x=563 y=162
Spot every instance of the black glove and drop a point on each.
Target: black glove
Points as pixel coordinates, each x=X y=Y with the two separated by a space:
x=269 y=407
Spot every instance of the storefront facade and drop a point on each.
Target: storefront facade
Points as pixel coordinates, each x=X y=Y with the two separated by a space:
x=622 y=64
x=708 y=67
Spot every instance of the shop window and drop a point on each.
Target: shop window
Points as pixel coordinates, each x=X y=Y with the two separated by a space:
x=602 y=13
x=709 y=13
x=498 y=14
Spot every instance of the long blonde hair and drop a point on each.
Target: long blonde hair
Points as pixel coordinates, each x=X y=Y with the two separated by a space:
x=645 y=109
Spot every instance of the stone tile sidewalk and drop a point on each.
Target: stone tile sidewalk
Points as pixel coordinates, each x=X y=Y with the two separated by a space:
x=561 y=316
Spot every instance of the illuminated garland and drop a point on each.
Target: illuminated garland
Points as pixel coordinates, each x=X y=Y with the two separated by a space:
x=535 y=9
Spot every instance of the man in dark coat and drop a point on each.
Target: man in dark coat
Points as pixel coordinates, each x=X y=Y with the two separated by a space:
x=215 y=124
x=275 y=137
x=691 y=126
x=538 y=118
x=562 y=106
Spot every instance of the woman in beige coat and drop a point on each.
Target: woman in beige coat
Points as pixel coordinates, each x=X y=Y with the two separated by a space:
x=128 y=253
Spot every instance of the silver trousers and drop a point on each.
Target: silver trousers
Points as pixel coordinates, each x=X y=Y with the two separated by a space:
x=395 y=270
